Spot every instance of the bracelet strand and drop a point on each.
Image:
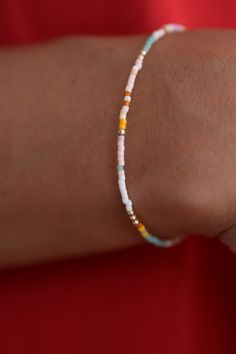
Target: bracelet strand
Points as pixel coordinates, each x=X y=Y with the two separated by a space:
x=154 y=37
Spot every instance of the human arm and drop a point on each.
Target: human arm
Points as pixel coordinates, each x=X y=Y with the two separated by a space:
x=59 y=105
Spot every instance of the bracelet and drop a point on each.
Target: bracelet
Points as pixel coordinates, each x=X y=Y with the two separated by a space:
x=155 y=36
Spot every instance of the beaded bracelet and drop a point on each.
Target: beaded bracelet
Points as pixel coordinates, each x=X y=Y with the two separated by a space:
x=155 y=36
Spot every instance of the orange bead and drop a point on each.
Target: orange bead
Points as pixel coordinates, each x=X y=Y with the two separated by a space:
x=123 y=123
x=140 y=226
x=127 y=93
x=125 y=103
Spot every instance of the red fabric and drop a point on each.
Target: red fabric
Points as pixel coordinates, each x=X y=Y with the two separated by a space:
x=142 y=300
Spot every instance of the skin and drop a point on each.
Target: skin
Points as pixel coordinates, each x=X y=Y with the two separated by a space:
x=59 y=108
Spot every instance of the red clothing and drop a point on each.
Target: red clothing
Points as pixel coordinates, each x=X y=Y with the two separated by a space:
x=138 y=301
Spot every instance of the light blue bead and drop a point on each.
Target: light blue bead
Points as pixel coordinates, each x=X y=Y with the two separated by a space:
x=120 y=167
x=146 y=47
x=158 y=242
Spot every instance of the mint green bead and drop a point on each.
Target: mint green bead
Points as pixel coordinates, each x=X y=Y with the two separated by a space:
x=119 y=167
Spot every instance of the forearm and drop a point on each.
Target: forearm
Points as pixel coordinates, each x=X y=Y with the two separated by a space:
x=58 y=106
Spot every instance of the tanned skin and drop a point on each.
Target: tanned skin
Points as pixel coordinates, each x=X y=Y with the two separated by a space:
x=59 y=109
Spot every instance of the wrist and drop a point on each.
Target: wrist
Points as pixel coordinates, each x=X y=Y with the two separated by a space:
x=177 y=134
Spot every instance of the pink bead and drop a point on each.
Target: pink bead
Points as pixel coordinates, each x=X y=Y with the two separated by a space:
x=121 y=138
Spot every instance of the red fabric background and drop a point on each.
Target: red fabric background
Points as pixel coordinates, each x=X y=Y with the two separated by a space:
x=143 y=300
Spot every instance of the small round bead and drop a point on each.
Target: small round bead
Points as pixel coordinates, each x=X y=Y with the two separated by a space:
x=133 y=217
x=122 y=131
x=140 y=56
x=131 y=212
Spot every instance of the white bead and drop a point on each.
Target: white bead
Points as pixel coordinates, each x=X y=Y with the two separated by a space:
x=121 y=152
x=132 y=76
x=139 y=62
x=138 y=67
x=123 y=189
x=123 y=114
x=158 y=34
x=127 y=98
x=121 y=184
x=124 y=201
x=173 y=27
x=121 y=144
x=125 y=196
x=120 y=155
x=134 y=70
x=125 y=109
x=129 y=205
x=129 y=87
x=128 y=208
x=121 y=149
x=131 y=82
x=121 y=174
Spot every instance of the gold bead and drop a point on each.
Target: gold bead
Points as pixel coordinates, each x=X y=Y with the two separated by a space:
x=135 y=222
x=132 y=217
x=143 y=52
x=130 y=212
x=122 y=131
x=141 y=56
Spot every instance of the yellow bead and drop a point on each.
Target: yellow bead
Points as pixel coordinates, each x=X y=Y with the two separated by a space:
x=123 y=123
x=144 y=233
x=144 y=236
x=141 y=227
